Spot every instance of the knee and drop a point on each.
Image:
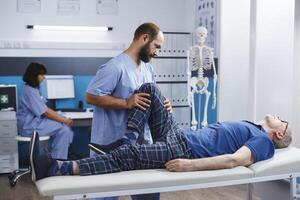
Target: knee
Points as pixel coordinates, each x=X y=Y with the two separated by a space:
x=66 y=132
x=148 y=87
x=153 y=90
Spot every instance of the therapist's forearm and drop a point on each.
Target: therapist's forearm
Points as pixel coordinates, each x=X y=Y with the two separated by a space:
x=107 y=101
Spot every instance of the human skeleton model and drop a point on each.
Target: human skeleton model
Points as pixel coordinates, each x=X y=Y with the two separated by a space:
x=200 y=58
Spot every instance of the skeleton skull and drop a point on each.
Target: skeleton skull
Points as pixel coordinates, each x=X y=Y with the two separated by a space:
x=201 y=34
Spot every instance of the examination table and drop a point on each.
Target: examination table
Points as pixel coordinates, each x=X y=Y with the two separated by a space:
x=284 y=165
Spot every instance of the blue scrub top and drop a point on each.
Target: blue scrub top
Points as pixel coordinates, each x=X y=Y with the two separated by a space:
x=119 y=78
x=228 y=137
x=31 y=107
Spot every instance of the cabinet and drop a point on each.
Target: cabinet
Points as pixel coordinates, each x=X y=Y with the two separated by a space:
x=170 y=72
x=8 y=145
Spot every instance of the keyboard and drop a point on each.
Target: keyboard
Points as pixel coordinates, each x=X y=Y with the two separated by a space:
x=72 y=110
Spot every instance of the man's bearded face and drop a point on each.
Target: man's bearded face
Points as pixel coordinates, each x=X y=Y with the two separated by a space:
x=145 y=53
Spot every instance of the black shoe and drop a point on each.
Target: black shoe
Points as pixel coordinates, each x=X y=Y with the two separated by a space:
x=40 y=160
x=103 y=149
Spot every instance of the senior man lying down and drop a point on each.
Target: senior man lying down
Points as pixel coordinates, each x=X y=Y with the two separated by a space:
x=218 y=146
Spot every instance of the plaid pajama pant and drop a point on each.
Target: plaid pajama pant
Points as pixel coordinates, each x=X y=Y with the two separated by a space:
x=169 y=142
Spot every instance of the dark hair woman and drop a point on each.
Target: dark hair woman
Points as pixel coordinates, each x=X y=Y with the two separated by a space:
x=34 y=115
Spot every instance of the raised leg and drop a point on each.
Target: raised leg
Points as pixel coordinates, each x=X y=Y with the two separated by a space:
x=159 y=119
x=169 y=142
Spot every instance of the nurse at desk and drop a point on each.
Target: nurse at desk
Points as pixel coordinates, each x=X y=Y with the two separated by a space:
x=34 y=115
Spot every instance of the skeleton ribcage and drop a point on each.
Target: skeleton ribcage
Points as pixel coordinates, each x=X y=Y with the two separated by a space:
x=196 y=63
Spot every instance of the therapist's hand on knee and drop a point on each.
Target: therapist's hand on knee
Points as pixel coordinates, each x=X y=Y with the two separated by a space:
x=139 y=100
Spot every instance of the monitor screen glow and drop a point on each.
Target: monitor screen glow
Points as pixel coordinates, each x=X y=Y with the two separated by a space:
x=58 y=87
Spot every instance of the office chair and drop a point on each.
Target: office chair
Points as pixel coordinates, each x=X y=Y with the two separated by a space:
x=17 y=174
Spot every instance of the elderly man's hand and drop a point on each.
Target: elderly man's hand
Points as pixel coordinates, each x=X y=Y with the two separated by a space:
x=179 y=165
x=168 y=106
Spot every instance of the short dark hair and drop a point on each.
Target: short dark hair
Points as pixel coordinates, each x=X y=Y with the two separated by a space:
x=147 y=28
x=31 y=74
x=285 y=141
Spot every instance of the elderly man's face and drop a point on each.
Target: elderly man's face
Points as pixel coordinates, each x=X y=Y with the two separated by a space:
x=275 y=122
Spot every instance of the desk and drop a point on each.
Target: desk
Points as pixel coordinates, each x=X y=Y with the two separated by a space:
x=80 y=118
x=82 y=121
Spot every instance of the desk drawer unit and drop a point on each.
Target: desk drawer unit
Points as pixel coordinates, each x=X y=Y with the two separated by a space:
x=8 y=163
x=8 y=144
x=8 y=128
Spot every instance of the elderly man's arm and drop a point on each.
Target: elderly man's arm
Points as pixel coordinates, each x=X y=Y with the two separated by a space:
x=241 y=157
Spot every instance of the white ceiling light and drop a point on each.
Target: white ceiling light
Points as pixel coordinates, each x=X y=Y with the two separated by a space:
x=70 y=28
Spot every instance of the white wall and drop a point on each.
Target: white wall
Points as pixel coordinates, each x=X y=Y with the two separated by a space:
x=234 y=60
x=274 y=58
x=190 y=11
x=256 y=65
x=256 y=59
x=170 y=15
x=296 y=88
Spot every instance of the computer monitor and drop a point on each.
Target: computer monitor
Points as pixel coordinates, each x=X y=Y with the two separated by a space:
x=8 y=97
x=58 y=87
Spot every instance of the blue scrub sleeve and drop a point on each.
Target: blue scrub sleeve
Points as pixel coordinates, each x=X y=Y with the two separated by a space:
x=105 y=80
x=261 y=148
x=35 y=103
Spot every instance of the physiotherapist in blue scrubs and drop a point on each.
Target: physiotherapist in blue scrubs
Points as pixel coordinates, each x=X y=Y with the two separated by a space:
x=111 y=91
x=34 y=115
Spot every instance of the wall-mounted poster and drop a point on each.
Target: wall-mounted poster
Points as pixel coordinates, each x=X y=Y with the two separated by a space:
x=29 y=6
x=107 y=7
x=206 y=15
x=68 y=7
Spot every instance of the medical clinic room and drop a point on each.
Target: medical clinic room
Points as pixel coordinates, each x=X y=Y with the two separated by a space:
x=150 y=100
